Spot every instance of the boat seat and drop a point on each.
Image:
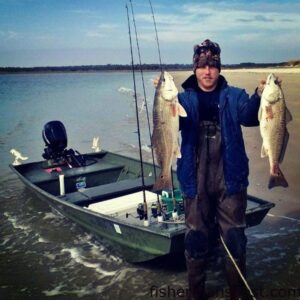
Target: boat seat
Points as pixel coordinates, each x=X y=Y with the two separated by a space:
x=41 y=176
x=107 y=191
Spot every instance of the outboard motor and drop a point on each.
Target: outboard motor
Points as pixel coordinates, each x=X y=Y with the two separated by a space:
x=55 y=138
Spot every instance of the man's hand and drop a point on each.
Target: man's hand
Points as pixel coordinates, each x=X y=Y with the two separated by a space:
x=155 y=81
x=261 y=87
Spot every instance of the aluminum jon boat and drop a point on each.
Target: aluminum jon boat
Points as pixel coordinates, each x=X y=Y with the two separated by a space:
x=105 y=194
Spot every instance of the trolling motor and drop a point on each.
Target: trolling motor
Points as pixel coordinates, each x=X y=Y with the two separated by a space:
x=56 y=141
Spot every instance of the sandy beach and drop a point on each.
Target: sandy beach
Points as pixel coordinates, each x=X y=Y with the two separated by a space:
x=286 y=200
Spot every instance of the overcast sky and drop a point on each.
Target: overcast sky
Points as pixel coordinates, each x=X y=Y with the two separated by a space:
x=92 y=32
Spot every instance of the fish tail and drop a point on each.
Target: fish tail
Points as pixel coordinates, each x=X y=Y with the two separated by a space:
x=163 y=182
x=277 y=180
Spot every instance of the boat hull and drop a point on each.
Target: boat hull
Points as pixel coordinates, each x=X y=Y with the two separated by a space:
x=127 y=237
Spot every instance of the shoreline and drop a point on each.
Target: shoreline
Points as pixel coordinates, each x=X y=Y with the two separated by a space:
x=286 y=70
x=280 y=69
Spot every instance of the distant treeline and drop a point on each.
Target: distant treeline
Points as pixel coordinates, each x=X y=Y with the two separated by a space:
x=145 y=67
x=95 y=68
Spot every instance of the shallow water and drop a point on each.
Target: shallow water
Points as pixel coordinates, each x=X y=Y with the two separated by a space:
x=45 y=256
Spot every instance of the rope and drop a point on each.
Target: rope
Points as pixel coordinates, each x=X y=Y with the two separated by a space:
x=238 y=269
x=284 y=217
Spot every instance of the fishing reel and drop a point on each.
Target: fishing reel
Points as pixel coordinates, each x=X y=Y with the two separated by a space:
x=158 y=210
x=154 y=210
x=142 y=214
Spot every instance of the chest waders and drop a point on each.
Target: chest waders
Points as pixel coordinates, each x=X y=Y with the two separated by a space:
x=213 y=212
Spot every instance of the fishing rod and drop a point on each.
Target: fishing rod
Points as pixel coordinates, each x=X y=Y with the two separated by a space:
x=161 y=69
x=157 y=40
x=138 y=122
x=146 y=102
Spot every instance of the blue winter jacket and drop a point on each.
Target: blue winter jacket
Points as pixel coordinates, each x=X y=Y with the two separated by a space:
x=235 y=109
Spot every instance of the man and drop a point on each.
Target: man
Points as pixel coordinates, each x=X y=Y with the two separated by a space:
x=213 y=171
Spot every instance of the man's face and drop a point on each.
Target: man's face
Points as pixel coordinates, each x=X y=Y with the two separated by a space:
x=207 y=78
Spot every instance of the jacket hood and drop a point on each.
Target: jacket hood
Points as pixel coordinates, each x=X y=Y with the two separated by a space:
x=192 y=84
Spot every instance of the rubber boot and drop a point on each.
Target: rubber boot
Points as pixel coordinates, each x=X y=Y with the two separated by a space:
x=236 y=285
x=196 y=278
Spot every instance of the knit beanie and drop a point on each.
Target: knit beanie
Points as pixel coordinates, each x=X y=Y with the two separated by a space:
x=207 y=54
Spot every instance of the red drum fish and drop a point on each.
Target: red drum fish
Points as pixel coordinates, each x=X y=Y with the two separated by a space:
x=166 y=112
x=274 y=116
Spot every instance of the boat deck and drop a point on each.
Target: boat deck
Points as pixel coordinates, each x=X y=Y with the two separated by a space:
x=124 y=209
x=124 y=204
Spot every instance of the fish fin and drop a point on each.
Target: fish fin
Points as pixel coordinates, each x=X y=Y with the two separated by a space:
x=263 y=152
x=163 y=182
x=284 y=145
x=259 y=113
x=178 y=153
x=181 y=110
x=288 y=115
x=154 y=137
x=277 y=180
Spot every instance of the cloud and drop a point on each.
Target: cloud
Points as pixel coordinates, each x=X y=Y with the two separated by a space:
x=108 y=26
x=246 y=30
x=27 y=40
x=193 y=20
x=259 y=18
x=169 y=36
x=102 y=30
x=166 y=19
x=95 y=34
x=10 y=35
x=82 y=12
x=256 y=27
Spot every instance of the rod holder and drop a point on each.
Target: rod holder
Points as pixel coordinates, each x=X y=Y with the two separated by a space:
x=62 y=184
x=160 y=219
x=175 y=215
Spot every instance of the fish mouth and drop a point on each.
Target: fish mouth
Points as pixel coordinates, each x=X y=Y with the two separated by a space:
x=271 y=78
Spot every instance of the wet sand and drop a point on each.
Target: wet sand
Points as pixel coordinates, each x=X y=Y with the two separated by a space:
x=286 y=200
